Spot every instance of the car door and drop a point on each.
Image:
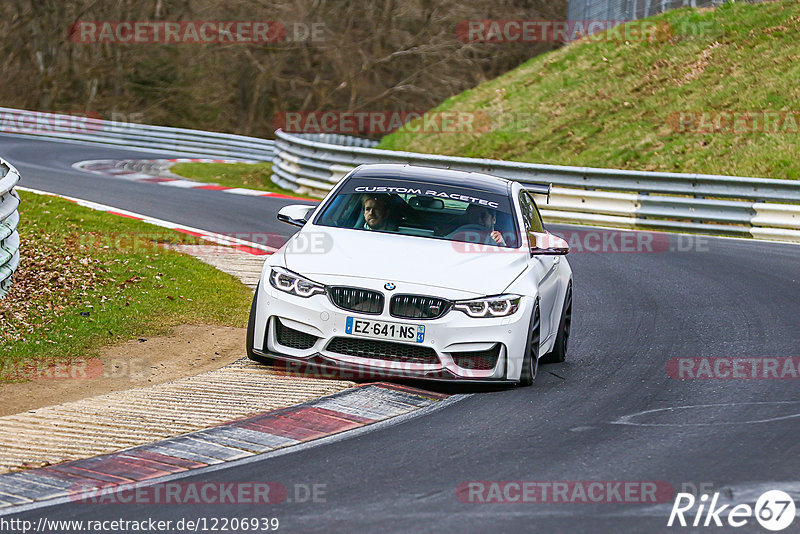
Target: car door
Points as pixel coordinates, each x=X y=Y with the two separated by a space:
x=543 y=268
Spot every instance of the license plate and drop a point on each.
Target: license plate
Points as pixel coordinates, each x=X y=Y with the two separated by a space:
x=382 y=330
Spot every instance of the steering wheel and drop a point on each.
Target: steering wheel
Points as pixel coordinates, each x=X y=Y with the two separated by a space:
x=482 y=233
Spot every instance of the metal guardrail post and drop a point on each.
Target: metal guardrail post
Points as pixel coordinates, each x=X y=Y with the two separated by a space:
x=9 y=219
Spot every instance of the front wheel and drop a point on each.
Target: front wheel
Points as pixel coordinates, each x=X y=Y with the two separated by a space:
x=530 y=361
x=251 y=331
x=559 y=352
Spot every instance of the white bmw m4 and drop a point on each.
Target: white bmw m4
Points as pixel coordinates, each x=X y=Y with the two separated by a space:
x=416 y=272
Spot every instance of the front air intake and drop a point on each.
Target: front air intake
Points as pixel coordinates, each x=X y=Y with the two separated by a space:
x=478 y=360
x=294 y=339
x=383 y=350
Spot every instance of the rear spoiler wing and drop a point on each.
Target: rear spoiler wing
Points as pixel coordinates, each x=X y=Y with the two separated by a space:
x=539 y=189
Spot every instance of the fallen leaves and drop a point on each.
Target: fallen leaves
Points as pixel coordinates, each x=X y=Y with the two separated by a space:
x=56 y=273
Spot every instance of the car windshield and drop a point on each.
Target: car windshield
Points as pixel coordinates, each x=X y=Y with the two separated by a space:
x=423 y=209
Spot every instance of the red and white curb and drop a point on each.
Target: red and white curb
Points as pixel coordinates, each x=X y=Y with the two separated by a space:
x=221 y=239
x=122 y=169
x=240 y=439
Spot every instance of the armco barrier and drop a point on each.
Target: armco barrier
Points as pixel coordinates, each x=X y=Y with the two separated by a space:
x=9 y=218
x=697 y=203
x=177 y=141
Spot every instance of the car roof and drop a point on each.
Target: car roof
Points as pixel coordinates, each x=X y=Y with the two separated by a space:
x=472 y=180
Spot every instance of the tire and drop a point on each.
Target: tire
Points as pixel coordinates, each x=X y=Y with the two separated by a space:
x=559 y=352
x=530 y=361
x=251 y=331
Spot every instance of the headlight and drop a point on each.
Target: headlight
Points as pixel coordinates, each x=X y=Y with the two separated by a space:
x=498 y=306
x=293 y=283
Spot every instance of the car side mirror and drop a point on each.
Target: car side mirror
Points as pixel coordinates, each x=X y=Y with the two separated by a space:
x=547 y=244
x=296 y=214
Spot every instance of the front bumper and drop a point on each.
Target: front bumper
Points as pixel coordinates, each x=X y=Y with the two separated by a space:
x=320 y=366
x=449 y=337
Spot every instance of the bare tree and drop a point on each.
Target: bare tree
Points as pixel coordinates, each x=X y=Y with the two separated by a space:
x=375 y=55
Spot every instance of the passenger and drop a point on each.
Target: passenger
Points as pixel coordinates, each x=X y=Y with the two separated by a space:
x=486 y=218
x=377 y=213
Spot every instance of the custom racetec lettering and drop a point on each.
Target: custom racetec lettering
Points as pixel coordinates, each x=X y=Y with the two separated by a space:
x=462 y=194
x=385 y=189
x=429 y=193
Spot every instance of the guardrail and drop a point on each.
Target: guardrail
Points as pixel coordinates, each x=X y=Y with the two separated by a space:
x=178 y=141
x=700 y=203
x=625 y=10
x=9 y=219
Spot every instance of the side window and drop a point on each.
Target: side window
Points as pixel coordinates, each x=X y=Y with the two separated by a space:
x=533 y=221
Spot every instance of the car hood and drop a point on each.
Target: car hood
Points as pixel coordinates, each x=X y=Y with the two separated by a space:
x=396 y=258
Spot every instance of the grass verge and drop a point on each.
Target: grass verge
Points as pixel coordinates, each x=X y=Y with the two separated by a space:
x=618 y=103
x=89 y=279
x=246 y=175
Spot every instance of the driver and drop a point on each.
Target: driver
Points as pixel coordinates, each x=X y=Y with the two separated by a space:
x=486 y=218
x=377 y=212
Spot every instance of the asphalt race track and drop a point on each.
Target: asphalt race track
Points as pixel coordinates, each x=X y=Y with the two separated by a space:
x=632 y=313
x=47 y=166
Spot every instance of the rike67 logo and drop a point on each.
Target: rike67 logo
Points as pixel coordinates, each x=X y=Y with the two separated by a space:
x=774 y=510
